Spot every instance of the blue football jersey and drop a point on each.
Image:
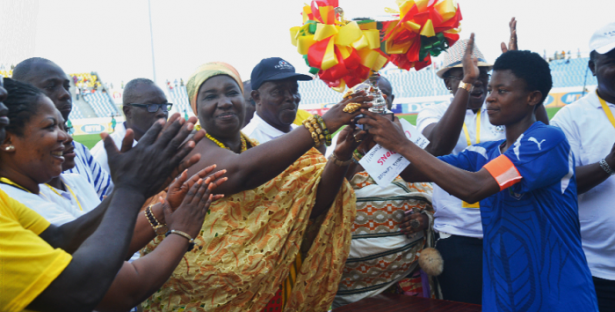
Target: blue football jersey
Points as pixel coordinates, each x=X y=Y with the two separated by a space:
x=532 y=258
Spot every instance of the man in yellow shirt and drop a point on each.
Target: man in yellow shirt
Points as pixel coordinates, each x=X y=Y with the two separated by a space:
x=37 y=271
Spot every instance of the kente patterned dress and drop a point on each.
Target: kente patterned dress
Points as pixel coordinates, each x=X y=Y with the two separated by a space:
x=250 y=240
x=380 y=255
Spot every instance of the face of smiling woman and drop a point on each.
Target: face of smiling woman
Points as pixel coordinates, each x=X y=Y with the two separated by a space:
x=221 y=107
x=38 y=153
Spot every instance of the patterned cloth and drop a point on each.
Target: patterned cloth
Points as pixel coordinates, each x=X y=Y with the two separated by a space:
x=250 y=240
x=380 y=255
x=91 y=170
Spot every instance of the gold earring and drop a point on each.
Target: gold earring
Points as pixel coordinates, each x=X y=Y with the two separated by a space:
x=9 y=148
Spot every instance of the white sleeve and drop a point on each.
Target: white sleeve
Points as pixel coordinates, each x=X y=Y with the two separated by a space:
x=565 y=121
x=427 y=116
x=100 y=155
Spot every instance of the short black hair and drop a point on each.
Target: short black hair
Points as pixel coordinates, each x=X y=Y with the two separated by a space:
x=22 y=70
x=530 y=67
x=592 y=55
x=22 y=102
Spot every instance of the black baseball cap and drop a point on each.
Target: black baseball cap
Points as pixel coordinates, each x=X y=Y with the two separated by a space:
x=273 y=69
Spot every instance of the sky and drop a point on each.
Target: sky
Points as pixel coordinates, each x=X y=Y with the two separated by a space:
x=112 y=37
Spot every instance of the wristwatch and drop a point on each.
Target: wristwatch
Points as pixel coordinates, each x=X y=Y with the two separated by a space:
x=467 y=86
x=605 y=166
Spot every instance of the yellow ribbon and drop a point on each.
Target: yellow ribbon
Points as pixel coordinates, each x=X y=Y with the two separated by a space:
x=607 y=110
x=467 y=133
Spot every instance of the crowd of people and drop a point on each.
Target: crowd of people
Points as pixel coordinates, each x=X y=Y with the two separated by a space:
x=254 y=205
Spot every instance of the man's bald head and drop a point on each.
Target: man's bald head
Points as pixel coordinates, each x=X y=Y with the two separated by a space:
x=138 y=93
x=50 y=78
x=385 y=86
x=132 y=92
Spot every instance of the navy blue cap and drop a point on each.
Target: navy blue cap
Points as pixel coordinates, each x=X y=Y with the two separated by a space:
x=273 y=69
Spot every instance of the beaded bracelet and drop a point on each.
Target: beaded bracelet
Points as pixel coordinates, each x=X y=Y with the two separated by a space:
x=324 y=129
x=308 y=125
x=318 y=129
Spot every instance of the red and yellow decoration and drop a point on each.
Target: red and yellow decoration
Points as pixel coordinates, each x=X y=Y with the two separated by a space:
x=342 y=53
x=424 y=28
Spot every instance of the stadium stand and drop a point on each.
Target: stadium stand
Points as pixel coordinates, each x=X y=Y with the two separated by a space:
x=179 y=97
x=571 y=73
x=101 y=103
x=6 y=72
x=87 y=80
x=75 y=113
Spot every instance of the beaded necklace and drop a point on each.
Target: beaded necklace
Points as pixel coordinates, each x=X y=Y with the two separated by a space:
x=244 y=145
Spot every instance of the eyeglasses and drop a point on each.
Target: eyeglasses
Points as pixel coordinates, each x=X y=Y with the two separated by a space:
x=152 y=108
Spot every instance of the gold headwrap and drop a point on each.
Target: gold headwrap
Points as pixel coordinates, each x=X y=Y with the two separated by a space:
x=205 y=72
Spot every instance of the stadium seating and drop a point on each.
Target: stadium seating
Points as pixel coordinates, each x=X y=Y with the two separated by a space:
x=179 y=97
x=88 y=80
x=571 y=73
x=101 y=103
x=75 y=113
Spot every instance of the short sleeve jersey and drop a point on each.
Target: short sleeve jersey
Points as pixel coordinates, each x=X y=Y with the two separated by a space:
x=532 y=259
x=27 y=263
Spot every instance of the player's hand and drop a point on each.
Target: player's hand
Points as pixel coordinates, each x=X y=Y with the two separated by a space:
x=384 y=131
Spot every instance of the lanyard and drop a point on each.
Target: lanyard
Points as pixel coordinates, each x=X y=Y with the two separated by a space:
x=71 y=193
x=11 y=183
x=467 y=133
x=607 y=110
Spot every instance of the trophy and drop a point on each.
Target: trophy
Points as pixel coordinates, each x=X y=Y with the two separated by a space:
x=379 y=104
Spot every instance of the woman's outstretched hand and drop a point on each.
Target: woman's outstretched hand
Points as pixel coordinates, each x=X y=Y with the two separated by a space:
x=189 y=216
x=335 y=117
x=180 y=186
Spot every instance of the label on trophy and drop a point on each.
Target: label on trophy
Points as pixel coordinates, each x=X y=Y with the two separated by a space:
x=384 y=165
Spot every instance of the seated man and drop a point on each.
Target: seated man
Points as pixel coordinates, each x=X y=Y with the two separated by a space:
x=276 y=93
x=51 y=79
x=144 y=103
x=526 y=185
x=37 y=270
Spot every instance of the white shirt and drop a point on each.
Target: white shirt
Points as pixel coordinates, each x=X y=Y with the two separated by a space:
x=261 y=131
x=62 y=208
x=591 y=138
x=58 y=209
x=100 y=154
x=91 y=170
x=450 y=217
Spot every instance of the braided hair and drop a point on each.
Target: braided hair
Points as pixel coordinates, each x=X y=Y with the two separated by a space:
x=22 y=102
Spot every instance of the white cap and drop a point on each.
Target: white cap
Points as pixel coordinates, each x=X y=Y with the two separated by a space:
x=603 y=40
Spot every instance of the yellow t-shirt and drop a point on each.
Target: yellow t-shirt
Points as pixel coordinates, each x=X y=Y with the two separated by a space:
x=301 y=116
x=27 y=263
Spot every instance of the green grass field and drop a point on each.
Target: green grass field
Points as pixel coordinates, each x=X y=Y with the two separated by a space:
x=90 y=140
